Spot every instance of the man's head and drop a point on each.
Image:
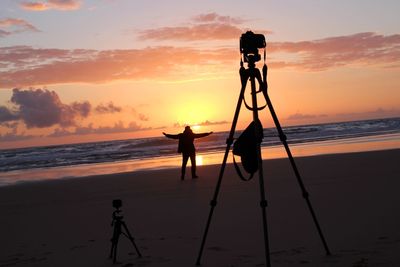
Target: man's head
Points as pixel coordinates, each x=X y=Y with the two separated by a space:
x=187 y=129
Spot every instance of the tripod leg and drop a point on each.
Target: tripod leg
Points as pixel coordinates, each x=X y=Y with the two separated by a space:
x=282 y=137
x=229 y=141
x=263 y=201
x=114 y=248
x=129 y=236
x=115 y=252
x=263 y=205
x=114 y=241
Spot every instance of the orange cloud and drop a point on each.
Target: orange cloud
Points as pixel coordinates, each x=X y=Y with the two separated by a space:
x=300 y=116
x=34 y=6
x=377 y=113
x=118 y=127
x=10 y=26
x=108 y=108
x=204 y=123
x=210 y=26
x=31 y=67
x=208 y=31
x=366 y=48
x=23 y=66
x=51 y=4
x=214 y=17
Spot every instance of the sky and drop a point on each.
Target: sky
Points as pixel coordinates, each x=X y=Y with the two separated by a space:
x=82 y=71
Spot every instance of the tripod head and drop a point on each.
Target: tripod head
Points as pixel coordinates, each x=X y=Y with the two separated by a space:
x=117 y=204
x=249 y=45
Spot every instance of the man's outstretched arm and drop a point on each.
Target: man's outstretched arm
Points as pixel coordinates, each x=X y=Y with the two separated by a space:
x=173 y=136
x=199 y=135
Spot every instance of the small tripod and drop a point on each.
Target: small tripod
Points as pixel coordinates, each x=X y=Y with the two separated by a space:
x=118 y=224
x=249 y=45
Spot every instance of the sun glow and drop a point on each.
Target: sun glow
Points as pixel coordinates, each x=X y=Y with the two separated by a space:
x=193 y=113
x=195 y=127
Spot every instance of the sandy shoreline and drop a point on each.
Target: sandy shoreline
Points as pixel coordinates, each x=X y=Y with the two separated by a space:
x=67 y=222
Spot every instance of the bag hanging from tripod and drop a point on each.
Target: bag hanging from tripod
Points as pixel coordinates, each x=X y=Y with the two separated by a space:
x=246 y=147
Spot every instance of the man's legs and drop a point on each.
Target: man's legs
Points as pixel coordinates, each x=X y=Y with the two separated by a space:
x=185 y=158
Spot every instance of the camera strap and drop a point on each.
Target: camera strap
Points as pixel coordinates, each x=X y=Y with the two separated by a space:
x=246 y=147
x=237 y=168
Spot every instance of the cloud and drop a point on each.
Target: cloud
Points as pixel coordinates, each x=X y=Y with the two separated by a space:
x=81 y=108
x=214 y=17
x=25 y=57
x=204 y=123
x=143 y=117
x=210 y=26
x=23 y=66
x=34 y=6
x=11 y=26
x=300 y=116
x=118 y=127
x=7 y=115
x=376 y=113
x=51 y=4
x=369 y=114
x=108 y=108
x=11 y=137
x=140 y=116
x=366 y=48
x=208 y=31
x=209 y=123
x=42 y=108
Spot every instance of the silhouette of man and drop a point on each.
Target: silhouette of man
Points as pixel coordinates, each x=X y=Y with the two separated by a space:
x=186 y=147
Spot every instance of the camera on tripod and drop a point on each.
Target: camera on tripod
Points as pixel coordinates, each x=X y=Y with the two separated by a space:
x=117 y=204
x=248 y=145
x=249 y=45
x=120 y=228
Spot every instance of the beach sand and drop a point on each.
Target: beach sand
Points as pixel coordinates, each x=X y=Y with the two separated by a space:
x=68 y=222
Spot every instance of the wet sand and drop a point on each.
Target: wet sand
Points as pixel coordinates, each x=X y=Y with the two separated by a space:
x=68 y=222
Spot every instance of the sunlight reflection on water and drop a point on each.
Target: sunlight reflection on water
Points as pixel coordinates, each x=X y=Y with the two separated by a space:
x=199 y=160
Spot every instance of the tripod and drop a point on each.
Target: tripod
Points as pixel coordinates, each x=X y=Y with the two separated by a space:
x=252 y=73
x=118 y=224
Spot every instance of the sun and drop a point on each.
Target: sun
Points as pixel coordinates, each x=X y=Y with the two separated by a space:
x=195 y=127
x=193 y=113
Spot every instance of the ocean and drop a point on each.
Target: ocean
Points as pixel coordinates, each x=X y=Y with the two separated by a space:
x=60 y=161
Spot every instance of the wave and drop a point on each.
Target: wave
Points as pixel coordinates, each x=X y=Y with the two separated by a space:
x=122 y=150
